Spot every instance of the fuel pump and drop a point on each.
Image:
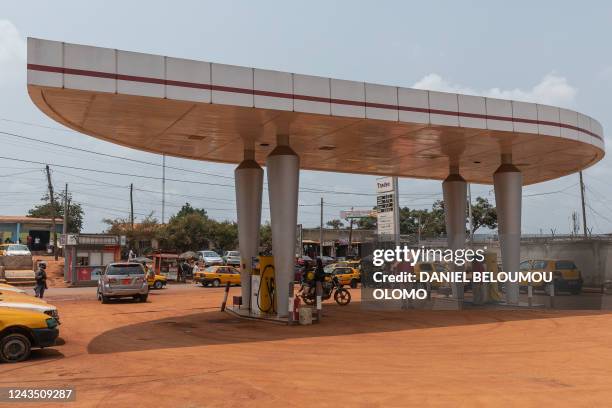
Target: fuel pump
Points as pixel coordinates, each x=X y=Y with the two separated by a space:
x=263 y=286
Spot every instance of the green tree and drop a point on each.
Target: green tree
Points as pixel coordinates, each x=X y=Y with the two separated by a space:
x=265 y=238
x=144 y=230
x=483 y=214
x=45 y=210
x=188 y=209
x=225 y=235
x=186 y=233
x=431 y=223
x=335 y=224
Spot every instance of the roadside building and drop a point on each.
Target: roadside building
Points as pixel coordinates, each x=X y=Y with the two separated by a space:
x=87 y=255
x=37 y=233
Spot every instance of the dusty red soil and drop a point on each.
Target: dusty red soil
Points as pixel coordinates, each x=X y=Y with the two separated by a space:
x=179 y=350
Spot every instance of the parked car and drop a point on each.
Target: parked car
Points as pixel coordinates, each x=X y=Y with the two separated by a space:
x=22 y=301
x=20 y=330
x=10 y=288
x=566 y=275
x=326 y=259
x=217 y=275
x=156 y=281
x=347 y=275
x=14 y=249
x=210 y=258
x=231 y=258
x=123 y=279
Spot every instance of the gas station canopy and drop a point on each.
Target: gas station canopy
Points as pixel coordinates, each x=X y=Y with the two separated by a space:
x=208 y=111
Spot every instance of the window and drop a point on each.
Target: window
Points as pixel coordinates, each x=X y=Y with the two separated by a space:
x=125 y=269
x=565 y=265
x=440 y=268
x=82 y=259
x=524 y=266
x=426 y=267
x=108 y=257
x=95 y=258
x=540 y=265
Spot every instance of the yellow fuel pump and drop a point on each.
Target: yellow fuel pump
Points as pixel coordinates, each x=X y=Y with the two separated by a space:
x=265 y=300
x=491 y=266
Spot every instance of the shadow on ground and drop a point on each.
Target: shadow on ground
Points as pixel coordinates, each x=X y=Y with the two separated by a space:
x=215 y=327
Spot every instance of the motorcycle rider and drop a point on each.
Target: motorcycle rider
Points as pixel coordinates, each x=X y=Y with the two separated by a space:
x=319 y=273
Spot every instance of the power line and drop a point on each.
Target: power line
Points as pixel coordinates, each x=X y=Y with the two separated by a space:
x=111 y=155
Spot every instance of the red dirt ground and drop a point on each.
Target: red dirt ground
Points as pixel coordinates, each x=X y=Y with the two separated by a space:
x=179 y=350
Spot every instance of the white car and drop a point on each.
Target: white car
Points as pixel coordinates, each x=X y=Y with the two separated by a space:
x=231 y=258
x=16 y=249
x=39 y=306
x=9 y=288
x=210 y=258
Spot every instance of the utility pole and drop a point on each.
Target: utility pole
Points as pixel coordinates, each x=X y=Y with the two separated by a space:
x=132 y=206
x=52 y=198
x=321 y=232
x=469 y=206
x=396 y=211
x=65 y=226
x=350 y=241
x=584 y=222
x=163 y=189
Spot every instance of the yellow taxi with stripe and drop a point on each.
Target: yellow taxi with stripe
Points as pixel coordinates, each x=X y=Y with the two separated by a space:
x=217 y=275
x=21 y=330
x=347 y=275
x=565 y=273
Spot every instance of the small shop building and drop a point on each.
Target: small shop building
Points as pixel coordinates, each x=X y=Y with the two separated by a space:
x=36 y=233
x=86 y=256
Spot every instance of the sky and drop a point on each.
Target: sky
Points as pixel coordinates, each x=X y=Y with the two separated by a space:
x=553 y=52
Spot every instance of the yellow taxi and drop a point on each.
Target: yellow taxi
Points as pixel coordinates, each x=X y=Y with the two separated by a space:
x=217 y=275
x=347 y=275
x=566 y=275
x=22 y=301
x=21 y=330
x=10 y=288
x=156 y=281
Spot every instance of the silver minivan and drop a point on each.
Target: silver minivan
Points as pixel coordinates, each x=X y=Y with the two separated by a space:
x=123 y=279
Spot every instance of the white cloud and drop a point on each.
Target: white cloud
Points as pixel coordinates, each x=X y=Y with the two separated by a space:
x=12 y=51
x=552 y=90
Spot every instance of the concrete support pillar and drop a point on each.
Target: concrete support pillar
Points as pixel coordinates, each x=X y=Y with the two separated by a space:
x=249 y=185
x=454 y=190
x=508 y=183
x=283 y=167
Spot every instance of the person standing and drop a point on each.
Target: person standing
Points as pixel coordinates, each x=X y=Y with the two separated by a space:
x=41 y=280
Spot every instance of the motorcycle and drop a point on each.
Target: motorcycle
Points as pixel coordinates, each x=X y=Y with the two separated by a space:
x=330 y=287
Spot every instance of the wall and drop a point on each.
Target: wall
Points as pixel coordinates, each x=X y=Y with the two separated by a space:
x=593 y=257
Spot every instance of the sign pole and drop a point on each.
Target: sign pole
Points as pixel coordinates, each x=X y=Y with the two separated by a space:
x=396 y=220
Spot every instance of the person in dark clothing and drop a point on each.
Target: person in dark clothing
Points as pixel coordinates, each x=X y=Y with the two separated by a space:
x=41 y=280
x=319 y=273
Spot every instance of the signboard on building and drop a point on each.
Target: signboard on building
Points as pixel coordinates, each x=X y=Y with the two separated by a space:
x=387 y=208
x=347 y=215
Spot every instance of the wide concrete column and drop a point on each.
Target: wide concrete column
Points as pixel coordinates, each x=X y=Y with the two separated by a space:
x=454 y=189
x=249 y=185
x=508 y=183
x=283 y=167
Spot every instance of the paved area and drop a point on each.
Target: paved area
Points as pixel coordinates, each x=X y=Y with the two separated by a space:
x=179 y=350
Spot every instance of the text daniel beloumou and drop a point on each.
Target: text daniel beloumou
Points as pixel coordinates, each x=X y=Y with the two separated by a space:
x=458 y=257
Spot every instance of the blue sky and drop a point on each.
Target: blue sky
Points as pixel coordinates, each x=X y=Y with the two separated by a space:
x=550 y=51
